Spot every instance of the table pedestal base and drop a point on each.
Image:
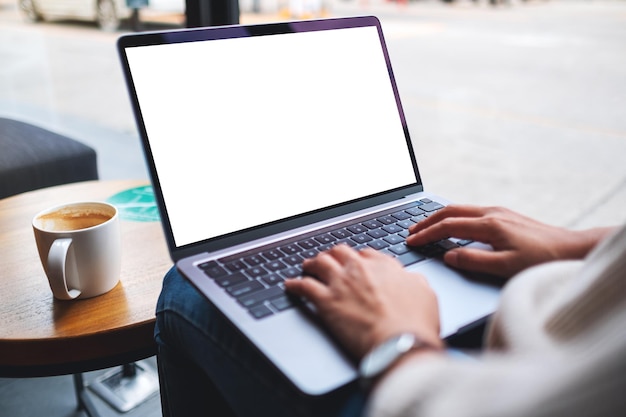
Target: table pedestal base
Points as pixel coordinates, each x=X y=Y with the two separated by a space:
x=127 y=387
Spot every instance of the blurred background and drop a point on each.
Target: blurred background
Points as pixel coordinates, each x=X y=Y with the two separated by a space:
x=515 y=103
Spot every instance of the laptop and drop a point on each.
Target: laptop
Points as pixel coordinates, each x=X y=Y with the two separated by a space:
x=269 y=143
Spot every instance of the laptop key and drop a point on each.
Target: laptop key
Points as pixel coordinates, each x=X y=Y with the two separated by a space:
x=293 y=260
x=308 y=244
x=255 y=272
x=393 y=239
x=309 y=253
x=436 y=249
x=325 y=239
x=446 y=244
x=392 y=228
x=239 y=290
x=419 y=218
x=405 y=224
x=260 y=311
x=275 y=265
x=272 y=254
x=387 y=220
x=377 y=233
x=235 y=266
x=230 y=280
x=212 y=269
x=432 y=206
x=362 y=238
x=291 y=272
x=415 y=211
x=249 y=300
x=290 y=249
x=253 y=260
x=372 y=224
x=348 y=242
x=410 y=258
x=378 y=244
x=282 y=303
x=272 y=279
x=401 y=215
x=341 y=233
x=357 y=228
x=400 y=249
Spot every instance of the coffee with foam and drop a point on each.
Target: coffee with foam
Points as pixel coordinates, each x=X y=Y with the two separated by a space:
x=71 y=218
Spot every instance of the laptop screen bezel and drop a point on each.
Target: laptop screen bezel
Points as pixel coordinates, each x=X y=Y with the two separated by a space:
x=278 y=226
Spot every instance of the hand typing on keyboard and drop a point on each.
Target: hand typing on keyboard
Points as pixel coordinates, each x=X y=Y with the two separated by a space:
x=366 y=297
x=518 y=241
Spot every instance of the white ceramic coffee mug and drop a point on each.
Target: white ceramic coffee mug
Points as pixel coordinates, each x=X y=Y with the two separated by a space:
x=79 y=246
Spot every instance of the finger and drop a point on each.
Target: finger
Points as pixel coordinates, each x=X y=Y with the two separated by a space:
x=343 y=253
x=462 y=228
x=323 y=266
x=478 y=260
x=308 y=288
x=452 y=210
x=371 y=253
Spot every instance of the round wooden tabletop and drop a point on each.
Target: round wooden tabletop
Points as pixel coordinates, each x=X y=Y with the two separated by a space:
x=40 y=335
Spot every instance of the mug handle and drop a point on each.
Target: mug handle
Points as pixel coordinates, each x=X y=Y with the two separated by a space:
x=58 y=269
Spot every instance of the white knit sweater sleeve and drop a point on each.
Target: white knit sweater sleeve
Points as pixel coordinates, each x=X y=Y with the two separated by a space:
x=558 y=348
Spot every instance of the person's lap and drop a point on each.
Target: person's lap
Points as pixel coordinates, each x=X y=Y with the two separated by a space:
x=206 y=365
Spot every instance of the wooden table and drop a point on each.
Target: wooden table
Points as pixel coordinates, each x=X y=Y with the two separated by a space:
x=42 y=336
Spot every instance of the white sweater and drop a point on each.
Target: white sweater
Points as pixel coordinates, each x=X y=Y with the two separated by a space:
x=555 y=347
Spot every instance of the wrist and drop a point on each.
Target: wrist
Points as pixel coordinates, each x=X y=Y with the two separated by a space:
x=414 y=355
x=392 y=352
x=583 y=241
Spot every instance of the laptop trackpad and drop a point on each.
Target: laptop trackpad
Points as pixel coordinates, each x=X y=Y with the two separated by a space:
x=461 y=300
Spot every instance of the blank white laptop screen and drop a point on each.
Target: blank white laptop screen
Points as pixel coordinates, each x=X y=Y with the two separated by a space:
x=251 y=130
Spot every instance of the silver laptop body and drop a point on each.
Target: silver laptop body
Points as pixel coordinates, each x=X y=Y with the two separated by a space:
x=257 y=135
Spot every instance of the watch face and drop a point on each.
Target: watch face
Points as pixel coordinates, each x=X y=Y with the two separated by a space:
x=385 y=354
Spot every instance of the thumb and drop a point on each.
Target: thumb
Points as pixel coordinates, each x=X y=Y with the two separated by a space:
x=308 y=288
x=479 y=260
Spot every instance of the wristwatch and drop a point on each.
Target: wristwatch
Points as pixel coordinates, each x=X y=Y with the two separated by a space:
x=387 y=353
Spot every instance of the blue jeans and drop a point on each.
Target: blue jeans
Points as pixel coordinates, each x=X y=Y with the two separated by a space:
x=207 y=368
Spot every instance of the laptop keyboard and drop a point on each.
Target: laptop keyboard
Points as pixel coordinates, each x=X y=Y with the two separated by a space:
x=255 y=278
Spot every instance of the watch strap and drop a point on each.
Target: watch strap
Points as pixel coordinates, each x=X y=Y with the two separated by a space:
x=384 y=355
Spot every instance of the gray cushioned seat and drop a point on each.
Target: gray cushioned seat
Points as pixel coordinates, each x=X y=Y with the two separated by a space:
x=33 y=158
